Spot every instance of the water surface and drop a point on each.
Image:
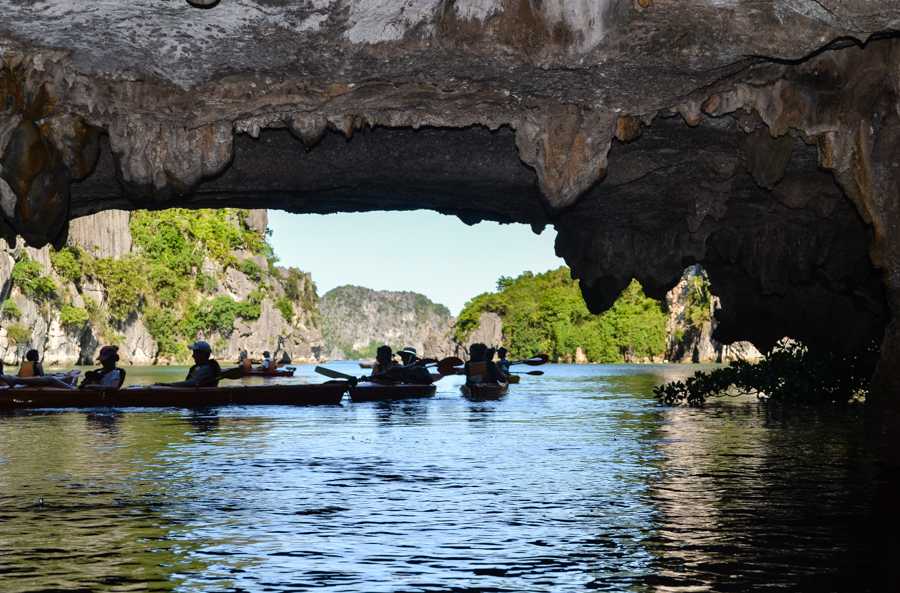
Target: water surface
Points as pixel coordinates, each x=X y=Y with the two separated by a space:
x=575 y=481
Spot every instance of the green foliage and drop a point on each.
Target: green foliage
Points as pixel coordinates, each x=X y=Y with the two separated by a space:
x=72 y=317
x=10 y=310
x=699 y=301
x=546 y=313
x=69 y=263
x=28 y=276
x=205 y=283
x=125 y=283
x=18 y=333
x=286 y=308
x=165 y=329
x=168 y=285
x=251 y=269
x=789 y=372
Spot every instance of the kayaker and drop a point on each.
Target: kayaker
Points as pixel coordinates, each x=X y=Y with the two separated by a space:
x=481 y=370
x=503 y=364
x=204 y=373
x=109 y=375
x=244 y=361
x=266 y=363
x=31 y=366
x=385 y=370
x=413 y=368
x=285 y=358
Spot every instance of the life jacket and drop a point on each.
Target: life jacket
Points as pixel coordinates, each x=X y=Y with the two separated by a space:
x=477 y=372
x=27 y=369
x=246 y=364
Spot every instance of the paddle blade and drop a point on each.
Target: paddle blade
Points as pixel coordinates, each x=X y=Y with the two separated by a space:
x=450 y=366
x=537 y=359
x=534 y=373
x=334 y=374
x=232 y=373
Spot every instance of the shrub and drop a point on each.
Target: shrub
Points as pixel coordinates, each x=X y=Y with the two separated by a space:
x=124 y=280
x=168 y=285
x=205 y=283
x=251 y=269
x=286 y=308
x=789 y=372
x=164 y=328
x=18 y=333
x=72 y=317
x=10 y=310
x=68 y=263
x=28 y=276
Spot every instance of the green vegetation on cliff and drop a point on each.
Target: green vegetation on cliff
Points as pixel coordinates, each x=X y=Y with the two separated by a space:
x=178 y=260
x=546 y=313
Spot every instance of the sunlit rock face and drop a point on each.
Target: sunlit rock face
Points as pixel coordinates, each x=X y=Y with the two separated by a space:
x=752 y=137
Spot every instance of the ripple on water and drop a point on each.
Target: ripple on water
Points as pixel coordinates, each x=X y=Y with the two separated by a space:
x=575 y=481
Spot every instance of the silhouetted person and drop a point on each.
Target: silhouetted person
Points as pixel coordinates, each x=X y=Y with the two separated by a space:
x=503 y=364
x=479 y=369
x=266 y=364
x=31 y=366
x=109 y=375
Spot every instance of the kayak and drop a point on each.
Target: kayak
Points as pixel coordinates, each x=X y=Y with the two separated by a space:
x=368 y=392
x=484 y=390
x=285 y=372
x=329 y=393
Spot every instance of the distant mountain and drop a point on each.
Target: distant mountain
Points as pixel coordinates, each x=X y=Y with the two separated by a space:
x=356 y=320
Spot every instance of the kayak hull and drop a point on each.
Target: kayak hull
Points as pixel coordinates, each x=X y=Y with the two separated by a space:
x=178 y=397
x=484 y=391
x=262 y=373
x=370 y=392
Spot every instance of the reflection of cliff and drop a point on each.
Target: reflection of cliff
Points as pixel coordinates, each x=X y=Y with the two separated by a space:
x=151 y=283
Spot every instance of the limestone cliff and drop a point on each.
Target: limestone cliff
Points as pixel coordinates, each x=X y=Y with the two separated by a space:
x=356 y=320
x=691 y=324
x=124 y=278
x=755 y=137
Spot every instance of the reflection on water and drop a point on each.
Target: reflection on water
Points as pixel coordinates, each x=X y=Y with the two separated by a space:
x=576 y=480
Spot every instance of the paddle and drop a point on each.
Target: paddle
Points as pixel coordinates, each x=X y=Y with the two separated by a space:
x=232 y=373
x=535 y=373
x=536 y=360
x=334 y=374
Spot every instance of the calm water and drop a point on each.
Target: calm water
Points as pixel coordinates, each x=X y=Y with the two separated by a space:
x=575 y=481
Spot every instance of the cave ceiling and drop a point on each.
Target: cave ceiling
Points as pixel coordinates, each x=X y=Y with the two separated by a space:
x=757 y=138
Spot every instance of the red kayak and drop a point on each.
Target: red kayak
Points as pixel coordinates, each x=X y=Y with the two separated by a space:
x=286 y=372
x=484 y=391
x=369 y=392
x=329 y=393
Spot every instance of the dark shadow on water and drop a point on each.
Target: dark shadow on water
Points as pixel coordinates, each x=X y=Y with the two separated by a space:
x=204 y=419
x=107 y=421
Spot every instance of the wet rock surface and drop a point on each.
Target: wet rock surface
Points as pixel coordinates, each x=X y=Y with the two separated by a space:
x=755 y=138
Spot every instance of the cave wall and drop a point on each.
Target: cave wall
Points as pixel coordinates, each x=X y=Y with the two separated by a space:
x=754 y=138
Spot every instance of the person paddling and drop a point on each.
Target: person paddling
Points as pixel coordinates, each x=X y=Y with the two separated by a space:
x=481 y=370
x=204 y=373
x=503 y=364
x=413 y=367
x=244 y=361
x=266 y=364
x=109 y=375
x=385 y=370
x=31 y=366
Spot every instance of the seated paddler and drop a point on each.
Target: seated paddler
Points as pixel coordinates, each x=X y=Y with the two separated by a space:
x=31 y=366
x=385 y=370
x=413 y=367
x=204 y=373
x=109 y=376
x=480 y=370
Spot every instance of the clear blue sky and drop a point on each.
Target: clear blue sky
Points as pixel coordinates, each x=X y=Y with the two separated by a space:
x=436 y=255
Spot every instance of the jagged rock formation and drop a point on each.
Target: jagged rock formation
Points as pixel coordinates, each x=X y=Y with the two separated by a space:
x=755 y=138
x=692 y=310
x=356 y=320
x=67 y=315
